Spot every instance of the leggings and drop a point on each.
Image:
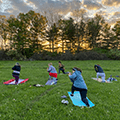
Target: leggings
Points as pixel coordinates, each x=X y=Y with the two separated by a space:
x=102 y=75
x=83 y=93
x=16 y=78
x=61 y=69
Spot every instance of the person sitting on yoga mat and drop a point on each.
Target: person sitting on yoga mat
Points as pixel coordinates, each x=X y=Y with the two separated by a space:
x=16 y=72
x=61 y=67
x=99 y=72
x=52 y=71
x=78 y=84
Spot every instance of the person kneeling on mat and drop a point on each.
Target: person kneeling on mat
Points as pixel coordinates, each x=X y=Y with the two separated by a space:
x=16 y=72
x=78 y=84
x=52 y=71
x=99 y=72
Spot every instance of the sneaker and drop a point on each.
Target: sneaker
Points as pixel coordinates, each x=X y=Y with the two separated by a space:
x=16 y=83
x=82 y=107
x=71 y=95
x=64 y=102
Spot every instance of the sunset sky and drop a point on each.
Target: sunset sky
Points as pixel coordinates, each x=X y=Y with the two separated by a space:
x=108 y=8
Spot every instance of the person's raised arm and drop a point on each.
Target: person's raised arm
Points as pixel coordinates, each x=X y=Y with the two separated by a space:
x=49 y=69
x=72 y=77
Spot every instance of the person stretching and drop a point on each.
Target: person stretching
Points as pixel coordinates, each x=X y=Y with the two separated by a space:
x=16 y=72
x=52 y=71
x=99 y=72
x=61 y=67
x=78 y=84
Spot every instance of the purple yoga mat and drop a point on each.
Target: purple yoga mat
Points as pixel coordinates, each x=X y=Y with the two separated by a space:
x=51 y=82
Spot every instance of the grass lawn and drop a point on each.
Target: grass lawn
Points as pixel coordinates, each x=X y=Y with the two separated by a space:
x=22 y=102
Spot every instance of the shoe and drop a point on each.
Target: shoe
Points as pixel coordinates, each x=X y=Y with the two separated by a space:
x=88 y=105
x=71 y=95
x=82 y=107
x=16 y=83
x=64 y=102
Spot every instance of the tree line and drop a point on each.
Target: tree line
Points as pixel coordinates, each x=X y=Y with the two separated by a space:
x=28 y=32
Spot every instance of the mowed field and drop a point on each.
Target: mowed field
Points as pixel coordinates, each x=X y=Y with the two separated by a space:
x=27 y=102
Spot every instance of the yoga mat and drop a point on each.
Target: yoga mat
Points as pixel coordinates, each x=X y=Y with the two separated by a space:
x=51 y=82
x=12 y=81
x=100 y=80
x=76 y=99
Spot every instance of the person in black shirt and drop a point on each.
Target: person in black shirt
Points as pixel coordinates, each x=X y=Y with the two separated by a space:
x=16 y=72
x=99 y=72
x=61 y=67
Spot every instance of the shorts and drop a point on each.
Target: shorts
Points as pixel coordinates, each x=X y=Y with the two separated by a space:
x=53 y=74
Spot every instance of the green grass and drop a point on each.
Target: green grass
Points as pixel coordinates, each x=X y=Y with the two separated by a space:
x=22 y=102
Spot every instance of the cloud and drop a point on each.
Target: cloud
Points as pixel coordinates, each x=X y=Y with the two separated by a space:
x=60 y=6
x=20 y=5
x=102 y=13
x=111 y=2
x=4 y=4
x=117 y=14
x=35 y=3
x=79 y=13
x=113 y=21
x=6 y=14
x=14 y=7
x=0 y=5
x=92 y=4
x=113 y=17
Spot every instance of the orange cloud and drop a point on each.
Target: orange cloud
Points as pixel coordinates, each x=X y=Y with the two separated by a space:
x=111 y=2
x=92 y=5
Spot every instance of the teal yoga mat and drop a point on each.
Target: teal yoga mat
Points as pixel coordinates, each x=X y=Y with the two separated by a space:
x=76 y=99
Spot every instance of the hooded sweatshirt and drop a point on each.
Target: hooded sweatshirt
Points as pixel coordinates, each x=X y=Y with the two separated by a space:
x=52 y=69
x=98 y=69
x=77 y=80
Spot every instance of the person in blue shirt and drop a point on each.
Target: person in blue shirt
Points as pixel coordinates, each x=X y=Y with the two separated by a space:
x=99 y=72
x=16 y=72
x=78 y=84
x=52 y=71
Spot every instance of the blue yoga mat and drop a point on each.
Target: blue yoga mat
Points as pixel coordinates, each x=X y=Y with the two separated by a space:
x=76 y=99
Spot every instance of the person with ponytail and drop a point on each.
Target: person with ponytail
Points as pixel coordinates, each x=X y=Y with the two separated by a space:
x=78 y=84
x=61 y=68
x=99 y=72
x=52 y=71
